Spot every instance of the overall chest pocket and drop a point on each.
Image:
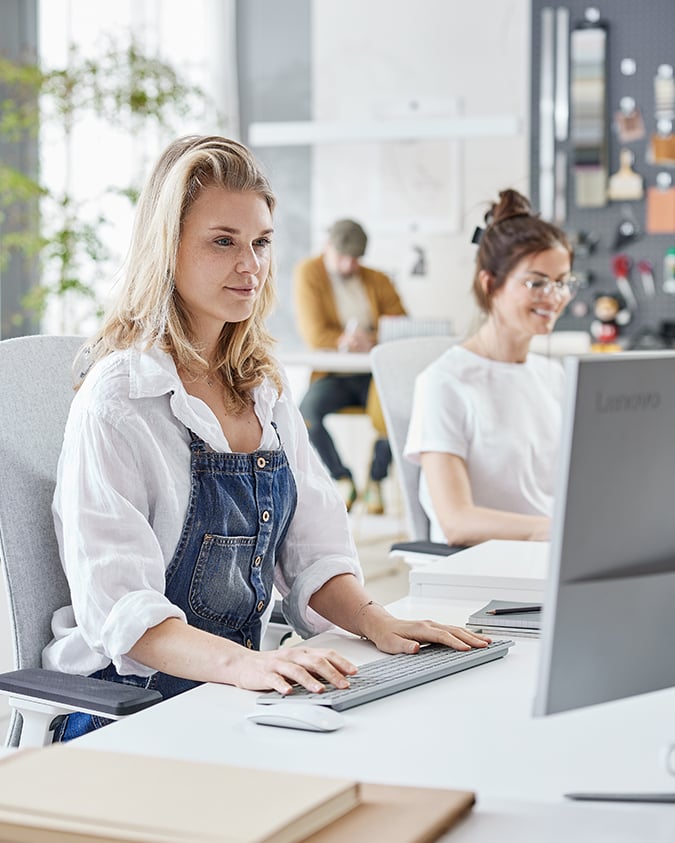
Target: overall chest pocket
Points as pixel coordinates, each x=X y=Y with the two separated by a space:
x=220 y=589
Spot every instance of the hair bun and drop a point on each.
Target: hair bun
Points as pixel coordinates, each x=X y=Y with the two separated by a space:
x=510 y=204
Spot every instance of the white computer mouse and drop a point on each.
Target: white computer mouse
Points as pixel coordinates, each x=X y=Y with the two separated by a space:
x=309 y=716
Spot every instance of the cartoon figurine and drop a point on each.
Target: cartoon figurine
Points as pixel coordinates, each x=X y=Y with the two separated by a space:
x=611 y=314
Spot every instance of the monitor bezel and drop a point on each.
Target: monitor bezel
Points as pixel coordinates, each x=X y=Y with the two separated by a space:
x=588 y=619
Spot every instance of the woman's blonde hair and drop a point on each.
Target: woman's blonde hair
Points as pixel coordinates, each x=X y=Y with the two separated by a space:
x=148 y=310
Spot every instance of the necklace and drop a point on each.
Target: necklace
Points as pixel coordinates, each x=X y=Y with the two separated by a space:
x=209 y=379
x=225 y=395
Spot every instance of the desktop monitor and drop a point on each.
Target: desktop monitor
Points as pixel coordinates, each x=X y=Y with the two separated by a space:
x=608 y=625
x=405 y=327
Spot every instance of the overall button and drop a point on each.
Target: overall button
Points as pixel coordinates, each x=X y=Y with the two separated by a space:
x=261 y=605
x=249 y=643
x=265 y=516
x=257 y=561
x=262 y=462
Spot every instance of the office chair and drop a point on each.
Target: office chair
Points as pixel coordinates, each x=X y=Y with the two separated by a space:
x=36 y=389
x=395 y=366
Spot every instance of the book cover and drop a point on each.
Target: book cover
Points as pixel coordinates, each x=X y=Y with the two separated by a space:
x=505 y=622
x=398 y=815
x=511 y=631
x=61 y=794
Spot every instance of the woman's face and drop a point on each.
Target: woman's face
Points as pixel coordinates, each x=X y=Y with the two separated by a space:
x=223 y=258
x=526 y=303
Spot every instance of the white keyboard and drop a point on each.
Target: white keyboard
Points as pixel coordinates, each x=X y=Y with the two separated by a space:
x=392 y=674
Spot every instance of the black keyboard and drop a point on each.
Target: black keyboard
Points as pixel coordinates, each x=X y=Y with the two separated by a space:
x=392 y=674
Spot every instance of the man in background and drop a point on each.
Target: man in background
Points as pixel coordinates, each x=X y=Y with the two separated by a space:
x=338 y=303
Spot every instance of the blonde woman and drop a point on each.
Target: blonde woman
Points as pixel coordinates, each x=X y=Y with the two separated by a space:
x=186 y=486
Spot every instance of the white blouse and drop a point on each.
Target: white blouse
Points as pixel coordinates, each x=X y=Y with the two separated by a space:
x=122 y=490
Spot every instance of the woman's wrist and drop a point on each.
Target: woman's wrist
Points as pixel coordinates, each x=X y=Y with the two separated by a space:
x=231 y=662
x=369 y=619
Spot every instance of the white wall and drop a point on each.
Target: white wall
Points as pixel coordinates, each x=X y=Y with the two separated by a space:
x=373 y=60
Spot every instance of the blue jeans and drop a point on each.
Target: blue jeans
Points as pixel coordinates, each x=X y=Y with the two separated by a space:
x=329 y=395
x=77 y=724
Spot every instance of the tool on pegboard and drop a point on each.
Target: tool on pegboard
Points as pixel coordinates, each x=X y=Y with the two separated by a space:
x=662 y=149
x=661 y=205
x=627 y=231
x=628 y=121
x=625 y=184
x=621 y=266
x=669 y=272
x=647 y=277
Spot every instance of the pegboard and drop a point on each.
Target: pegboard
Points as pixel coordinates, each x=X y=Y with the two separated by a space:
x=644 y=32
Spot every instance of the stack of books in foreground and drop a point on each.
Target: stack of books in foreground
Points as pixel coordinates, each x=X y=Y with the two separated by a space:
x=62 y=794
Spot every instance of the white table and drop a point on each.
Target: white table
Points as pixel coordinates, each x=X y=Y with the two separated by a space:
x=501 y=570
x=470 y=731
x=299 y=366
x=328 y=361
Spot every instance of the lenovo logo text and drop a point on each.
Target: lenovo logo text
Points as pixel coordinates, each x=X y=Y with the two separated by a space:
x=627 y=402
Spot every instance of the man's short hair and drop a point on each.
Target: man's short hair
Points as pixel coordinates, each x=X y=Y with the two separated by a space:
x=348 y=238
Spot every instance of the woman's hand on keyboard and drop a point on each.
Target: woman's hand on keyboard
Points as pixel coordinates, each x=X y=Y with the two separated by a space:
x=277 y=670
x=392 y=635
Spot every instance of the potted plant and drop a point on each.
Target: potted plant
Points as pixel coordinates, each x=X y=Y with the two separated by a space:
x=128 y=91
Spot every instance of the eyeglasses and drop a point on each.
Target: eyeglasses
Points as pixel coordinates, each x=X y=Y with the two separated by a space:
x=541 y=286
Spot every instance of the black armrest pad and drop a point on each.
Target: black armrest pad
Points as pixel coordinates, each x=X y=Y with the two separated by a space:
x=277 y=615
x=79 y=691
x=433 y=548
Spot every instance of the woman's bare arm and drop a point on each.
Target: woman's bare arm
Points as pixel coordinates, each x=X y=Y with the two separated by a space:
x=178 y=649
x=461 y=520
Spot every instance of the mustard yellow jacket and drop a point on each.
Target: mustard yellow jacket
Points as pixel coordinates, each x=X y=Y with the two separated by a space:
x=315 y=309
x=317 y=316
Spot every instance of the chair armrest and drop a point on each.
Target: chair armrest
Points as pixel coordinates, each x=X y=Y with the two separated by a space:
x=278 y=629
x=430 y=548
x=277 y=615
x=77 y=693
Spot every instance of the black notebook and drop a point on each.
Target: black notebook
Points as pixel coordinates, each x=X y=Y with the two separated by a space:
x=523 y=623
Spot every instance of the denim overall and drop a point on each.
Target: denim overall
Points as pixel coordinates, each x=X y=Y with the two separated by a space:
x=222 y=571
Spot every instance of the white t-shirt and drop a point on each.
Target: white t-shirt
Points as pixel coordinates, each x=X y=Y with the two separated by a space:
x=502 y=419
x=351 y=301
x=122 y=492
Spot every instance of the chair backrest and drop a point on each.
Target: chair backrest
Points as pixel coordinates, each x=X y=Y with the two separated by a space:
x=390 y=328
x=36 y=390
x=395 y=365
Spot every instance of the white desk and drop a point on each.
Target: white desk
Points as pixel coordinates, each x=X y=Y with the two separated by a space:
x=470 y=731
x=299 y=366
x=328 y=361
x=503 y=570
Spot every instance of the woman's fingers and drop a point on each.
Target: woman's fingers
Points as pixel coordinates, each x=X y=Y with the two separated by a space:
x=309 y=668
x=475 y=639
x=406 y=636
x=313 y=668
